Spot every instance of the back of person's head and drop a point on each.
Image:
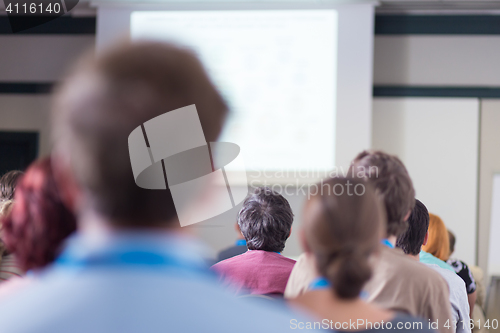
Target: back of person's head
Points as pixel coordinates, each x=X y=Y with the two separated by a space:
x=342 y=232
x=265 y=220
x=391 y=180
x=452 y=239
x=108 y=96
x=413 y=238
x=6 y=208
x=8 y=184
x=39 y=222
x=438 y=243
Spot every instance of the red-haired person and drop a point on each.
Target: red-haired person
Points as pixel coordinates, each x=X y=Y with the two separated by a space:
x=37 y=224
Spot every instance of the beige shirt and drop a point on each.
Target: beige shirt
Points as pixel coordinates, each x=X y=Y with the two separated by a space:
x=398 y=283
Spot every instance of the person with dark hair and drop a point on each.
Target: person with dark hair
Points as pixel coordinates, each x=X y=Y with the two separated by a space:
x=9 y=267
x=8 y=264
x=265 y=220
x=342 y=233
x=397 y=283
x=464 y=272
x=238 y=248
x=130 y=267
x=38 y=223
x=8 y=184
x=411 y=242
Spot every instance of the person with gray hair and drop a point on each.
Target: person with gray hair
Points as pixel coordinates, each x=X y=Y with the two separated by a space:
x=266 y=223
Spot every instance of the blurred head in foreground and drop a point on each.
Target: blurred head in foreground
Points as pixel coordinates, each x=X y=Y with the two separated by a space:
x=438 y=243
x=342 y=230
x=265 y=220
x=97 y=107
x=392 y=182
x=39 y=221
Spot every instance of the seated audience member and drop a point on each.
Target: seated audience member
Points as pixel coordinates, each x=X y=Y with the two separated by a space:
x=9 y=267
x=341 y=233
x=238 y=248
x=478 y=313
x=8 y=263
x=37 y=225
x=265 y=220
x=130 y=267
x=8 y=184
x=464 y=272
x=411 y=242
x=437 y=246
x=398 y=282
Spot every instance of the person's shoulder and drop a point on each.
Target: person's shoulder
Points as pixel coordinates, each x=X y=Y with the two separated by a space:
x=452 y=278
x=412 y=270
x=233 y=259
x=408 y=323
x=287 y=260
x=58 y=303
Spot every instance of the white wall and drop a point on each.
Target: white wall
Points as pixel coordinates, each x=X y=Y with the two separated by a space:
x=449 y=60
x=35 y=58
x=437 y=139
x=40 y=58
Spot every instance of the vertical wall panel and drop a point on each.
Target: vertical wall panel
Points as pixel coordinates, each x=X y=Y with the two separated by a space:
x=437 y=139
x=489 y=165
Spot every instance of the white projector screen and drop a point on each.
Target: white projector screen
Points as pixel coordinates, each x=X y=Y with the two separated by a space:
x=277 y=69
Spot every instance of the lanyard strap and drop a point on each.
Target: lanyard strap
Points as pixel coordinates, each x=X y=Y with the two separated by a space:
x=323 y=283
x=131 y=258
x=319 y=283
x=386 y=242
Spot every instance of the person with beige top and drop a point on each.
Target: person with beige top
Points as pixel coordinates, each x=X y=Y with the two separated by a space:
x=398 y=282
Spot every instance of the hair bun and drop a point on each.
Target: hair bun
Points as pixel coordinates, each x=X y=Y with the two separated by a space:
x=348 y=271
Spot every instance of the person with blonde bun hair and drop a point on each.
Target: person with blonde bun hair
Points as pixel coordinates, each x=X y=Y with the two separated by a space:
x=342 y=233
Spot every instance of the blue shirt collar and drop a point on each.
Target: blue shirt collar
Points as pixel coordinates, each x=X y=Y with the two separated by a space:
x=241 y=242
x=147 y=249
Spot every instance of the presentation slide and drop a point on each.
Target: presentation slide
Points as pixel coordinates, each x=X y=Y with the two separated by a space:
x=277 y=70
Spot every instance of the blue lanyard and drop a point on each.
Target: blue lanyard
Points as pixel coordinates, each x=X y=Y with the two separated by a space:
x=133 y=258
x=319 y=283
x=323 y=283
x=241 y=242
x=386 y=242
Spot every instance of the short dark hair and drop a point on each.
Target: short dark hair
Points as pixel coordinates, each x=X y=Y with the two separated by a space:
x=452 y=241
x=412 y=239
x=104 y=99
x=39 y=221
x=8 y=184
x=265 y=220
x=391 y=180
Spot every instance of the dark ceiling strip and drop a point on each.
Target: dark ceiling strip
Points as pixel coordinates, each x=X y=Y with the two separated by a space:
x=405 y=91
x=437 y=24
x=25 y=88
x=64 y=25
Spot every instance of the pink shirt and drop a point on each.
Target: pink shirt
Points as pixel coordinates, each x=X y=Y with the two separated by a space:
x=255 y=271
